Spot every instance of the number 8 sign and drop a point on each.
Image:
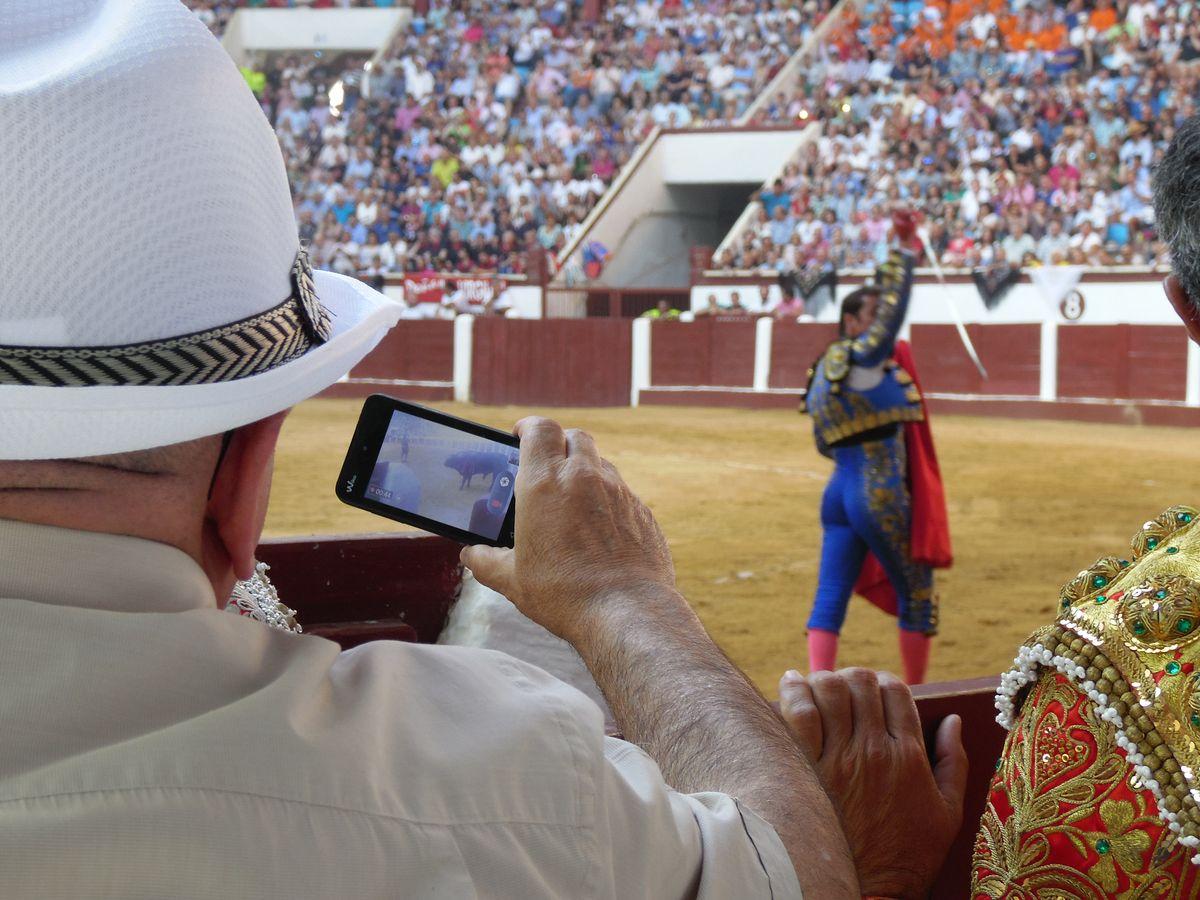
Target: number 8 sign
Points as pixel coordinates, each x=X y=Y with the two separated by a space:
x=1072 y=306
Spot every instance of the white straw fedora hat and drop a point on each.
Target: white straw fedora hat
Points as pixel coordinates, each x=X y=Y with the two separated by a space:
x=152 y=285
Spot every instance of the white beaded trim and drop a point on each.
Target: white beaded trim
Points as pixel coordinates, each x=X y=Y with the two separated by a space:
x=1025 y=671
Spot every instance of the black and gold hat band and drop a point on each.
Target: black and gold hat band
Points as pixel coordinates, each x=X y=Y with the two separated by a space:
x=250 y=347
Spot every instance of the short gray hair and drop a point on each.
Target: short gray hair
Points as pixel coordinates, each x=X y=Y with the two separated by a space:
x=1177 y=205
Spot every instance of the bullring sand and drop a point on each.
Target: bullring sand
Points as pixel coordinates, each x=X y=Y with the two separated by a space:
x=737 y=493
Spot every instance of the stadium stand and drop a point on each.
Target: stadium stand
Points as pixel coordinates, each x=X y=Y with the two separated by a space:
x=1025 y=131
x=491 y=129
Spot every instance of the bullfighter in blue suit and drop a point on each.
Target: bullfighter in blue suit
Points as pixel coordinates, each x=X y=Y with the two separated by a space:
x=860 y=400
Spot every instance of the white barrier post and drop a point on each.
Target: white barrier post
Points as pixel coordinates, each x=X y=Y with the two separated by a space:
x=640 y=368
x=463 y=348
x=1048 y=365
x=762 y=352
x=1192 y=395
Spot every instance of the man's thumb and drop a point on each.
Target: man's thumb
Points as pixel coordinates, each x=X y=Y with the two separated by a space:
x=950 y=771
x=491 y=566
x=800 y=713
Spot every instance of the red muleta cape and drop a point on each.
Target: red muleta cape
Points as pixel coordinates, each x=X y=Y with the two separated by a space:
x=930 y=535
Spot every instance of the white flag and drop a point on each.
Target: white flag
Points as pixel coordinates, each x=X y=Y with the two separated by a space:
x=1055 y=282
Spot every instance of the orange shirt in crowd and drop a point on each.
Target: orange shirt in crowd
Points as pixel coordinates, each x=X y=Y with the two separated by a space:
x=960 y=11
x=581 y=77
x=845 y=38
x=1103 y=19
x=1052 y=39
x=942 y=44
x=1007 y=26
x=881 y=32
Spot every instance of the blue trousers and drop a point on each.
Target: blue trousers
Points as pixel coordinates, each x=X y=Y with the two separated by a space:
x=866 y=507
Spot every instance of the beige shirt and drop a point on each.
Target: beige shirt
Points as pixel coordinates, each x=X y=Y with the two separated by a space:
x=154 y=746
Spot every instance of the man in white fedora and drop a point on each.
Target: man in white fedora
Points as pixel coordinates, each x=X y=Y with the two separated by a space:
x=153 y=746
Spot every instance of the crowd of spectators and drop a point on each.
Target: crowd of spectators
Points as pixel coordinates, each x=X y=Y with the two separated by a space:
x=1025 y=131
x=490 y=129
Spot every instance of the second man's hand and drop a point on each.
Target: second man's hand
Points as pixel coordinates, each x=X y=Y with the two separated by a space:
x=861 y=731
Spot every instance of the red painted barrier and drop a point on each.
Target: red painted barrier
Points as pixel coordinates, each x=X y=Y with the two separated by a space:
x=722 y=397
x=713 y=352
x=551 y=362
x=1010 y=353
x=794 y=348
x=1139 y=370
x=1138 y=362
x=416 y=350
x=983 y=739
x=1156 y=357
x=368 y=586
x=1112 y=412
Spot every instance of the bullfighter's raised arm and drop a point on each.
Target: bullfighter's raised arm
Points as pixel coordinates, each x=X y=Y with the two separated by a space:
x=894 y=280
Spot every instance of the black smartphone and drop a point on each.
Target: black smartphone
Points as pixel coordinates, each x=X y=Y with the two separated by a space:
x=432 y=470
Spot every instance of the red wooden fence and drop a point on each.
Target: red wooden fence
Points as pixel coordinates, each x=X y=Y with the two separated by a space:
x=1141 y=370
x=794 y=348
x=719 y=352
x=551 y=362
x=418 y=350
x=414 y=360
x=1010 y=353
x=1127 y=361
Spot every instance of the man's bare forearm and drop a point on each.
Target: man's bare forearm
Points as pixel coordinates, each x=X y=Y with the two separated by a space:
x=678 y=697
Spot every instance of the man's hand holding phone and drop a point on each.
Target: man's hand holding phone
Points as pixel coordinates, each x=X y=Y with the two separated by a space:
x=590 y=564
x=585 y=544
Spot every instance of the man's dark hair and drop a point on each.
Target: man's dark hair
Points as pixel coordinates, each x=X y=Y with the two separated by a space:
x=787 y=284
x=1177 y=205
x=852 y=305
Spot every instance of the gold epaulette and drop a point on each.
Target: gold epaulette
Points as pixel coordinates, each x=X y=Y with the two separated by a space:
x=863 y=421
x=1128 y=636
x=837 y=360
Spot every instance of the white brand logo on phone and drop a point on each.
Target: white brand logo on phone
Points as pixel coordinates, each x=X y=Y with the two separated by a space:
x=350 y=482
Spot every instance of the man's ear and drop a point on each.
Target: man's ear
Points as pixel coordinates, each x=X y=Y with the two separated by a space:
x=237 y=503
x=1184 y=306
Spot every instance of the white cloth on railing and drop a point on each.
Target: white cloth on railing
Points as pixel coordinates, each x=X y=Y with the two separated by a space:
x=485 y=619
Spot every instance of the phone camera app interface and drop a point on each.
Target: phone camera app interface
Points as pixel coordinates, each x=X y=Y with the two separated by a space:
x=441 y=473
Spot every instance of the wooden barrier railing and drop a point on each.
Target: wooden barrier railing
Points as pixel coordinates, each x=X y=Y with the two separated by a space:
x=1147 y=373
x=352 y=589
x=983 y=739
x=551 y=362
x=401 y=587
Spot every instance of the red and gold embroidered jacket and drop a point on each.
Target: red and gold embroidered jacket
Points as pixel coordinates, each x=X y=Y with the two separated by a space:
x=1097 y=793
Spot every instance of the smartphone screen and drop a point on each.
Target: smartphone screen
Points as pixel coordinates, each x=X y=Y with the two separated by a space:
x=432 y=470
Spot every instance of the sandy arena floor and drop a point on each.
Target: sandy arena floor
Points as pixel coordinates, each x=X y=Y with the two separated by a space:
x=736 y=492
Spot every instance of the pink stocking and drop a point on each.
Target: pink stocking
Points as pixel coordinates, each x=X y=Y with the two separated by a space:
x=914 y=650
x=822 y=650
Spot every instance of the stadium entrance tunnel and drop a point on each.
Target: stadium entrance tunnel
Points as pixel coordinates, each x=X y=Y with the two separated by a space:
x=683 y=189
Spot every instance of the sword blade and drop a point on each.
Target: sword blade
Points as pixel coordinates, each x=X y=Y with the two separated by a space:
x=954 y=314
